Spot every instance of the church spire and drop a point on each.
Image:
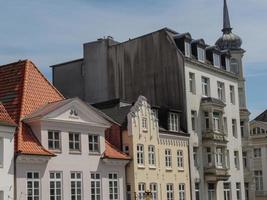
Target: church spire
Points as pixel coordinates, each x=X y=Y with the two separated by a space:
x=226 y=19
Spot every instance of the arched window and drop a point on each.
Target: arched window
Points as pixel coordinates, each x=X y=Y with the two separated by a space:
x=234 y=66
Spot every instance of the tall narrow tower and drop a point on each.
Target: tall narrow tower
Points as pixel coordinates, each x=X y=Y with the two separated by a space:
x=232 y=43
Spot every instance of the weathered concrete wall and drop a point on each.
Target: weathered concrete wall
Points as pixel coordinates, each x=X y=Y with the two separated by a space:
x=151 y=66
x=68 y=78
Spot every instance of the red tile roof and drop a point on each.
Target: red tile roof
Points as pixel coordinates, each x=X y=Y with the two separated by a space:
x=23 y=89
x=5 y=119
x=113 y=153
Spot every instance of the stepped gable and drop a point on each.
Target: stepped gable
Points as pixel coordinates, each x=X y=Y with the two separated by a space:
x=23 y=89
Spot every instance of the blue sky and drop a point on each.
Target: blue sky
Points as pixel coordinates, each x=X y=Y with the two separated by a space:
x=50 y=32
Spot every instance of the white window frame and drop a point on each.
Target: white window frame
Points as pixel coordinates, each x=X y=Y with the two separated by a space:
x=180 y=159
x=74 y=142
x=192 y=83
x=95 y=185
x=54 y=141
x=238 y=191
x=221 y=90
x=94 y=143
x=219 y=157
x=113 y=186
x=245 y=159
x=194 y=120
x=168 y=158
x=258 y=180
x=216 y=60
x=197 y=190
x=227 y=64
x=236 y=159
x=257 y=152
x=144 y=123
x=227 y=190
x=205 y=82
x=209 y=156
x=201 y=54
x=232 y=94
x=234 y=128
x=181 y=190
x=207 y=120
x=216 y=121
x=154 y=190
x=57 y=185
x=141 y=191
x=187 y=49
x=33 y=181
x=173 y=122
x=195 y=156
x=169 y=191
x=151 y=155
x=211 y=191
x=78 y=185
x=140 y=154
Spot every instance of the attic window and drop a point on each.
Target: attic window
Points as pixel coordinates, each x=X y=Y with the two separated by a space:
x=201 y=54
x=173 y=122
x=216 y=60
x=227 y=64
x=187 y=49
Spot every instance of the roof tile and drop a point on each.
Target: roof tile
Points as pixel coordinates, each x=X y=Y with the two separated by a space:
x=113 y=153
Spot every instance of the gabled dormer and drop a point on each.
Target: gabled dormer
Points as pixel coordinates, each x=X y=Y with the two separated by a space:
x=213 y=55
x=183 y=42
x=198 y=50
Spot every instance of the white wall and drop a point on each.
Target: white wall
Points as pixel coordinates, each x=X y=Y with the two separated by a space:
x=7 y=169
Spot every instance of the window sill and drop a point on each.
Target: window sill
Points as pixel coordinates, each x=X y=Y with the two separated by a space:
x=145 y=130
x=168 y=169
x=141 y=167
x=180 y=169
x=55 y=151
x=94 y=154
x=75 y=152
x=152 y=167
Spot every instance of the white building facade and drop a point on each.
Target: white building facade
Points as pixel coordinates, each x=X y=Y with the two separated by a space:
x=84 y=165
x=7 y=131
x=217 y=114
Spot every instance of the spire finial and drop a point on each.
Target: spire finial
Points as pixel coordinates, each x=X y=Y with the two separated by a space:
x=226 y=19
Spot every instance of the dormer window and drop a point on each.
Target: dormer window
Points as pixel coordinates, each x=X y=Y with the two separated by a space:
x=227 y=64
x=173 y=122
x=187 y=49
x=216 y=60
x=201 y=54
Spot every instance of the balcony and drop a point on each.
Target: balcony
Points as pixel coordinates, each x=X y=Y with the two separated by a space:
x=215 y=174
x=214 y=136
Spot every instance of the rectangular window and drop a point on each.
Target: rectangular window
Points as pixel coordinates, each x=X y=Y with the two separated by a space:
x=141 y=191
x=154 y=190
x=1 y=152
x=187 y=49
x=53 y=140
x=242 y=128
x=195 y=156
x=216 y=60
x=193 y=119
x=221 y=91
x=211 y=191
x=227 y=191
x=181 y=191
x=227 y=64
x=197 y=192
x=1 y=195
x=144 y=123
x=74 y=142
x=113 y=186
x=201 y=54
x=258 y=180
x=227 y=159
x=234 y=128
x=205 y=86
x=151 y=155
x=207 y=120
x=216 y=122
x=95 y=186
x=244 y=154
x=173 y=122
x=209 y=156
x=155 y=113
x=236 y=159
x=55 y=185
x=232 y=94
x=219 y=157
x=76 y=185
x=238 y=191
x=169 y=190
x=128 y=187
x=140 y=154
x=33 y=186
x=246 y=191
x=180 y=159
x=168 y=158
x=192 y=83
x=94 y=146
x=257 y=152
x=225 y=126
